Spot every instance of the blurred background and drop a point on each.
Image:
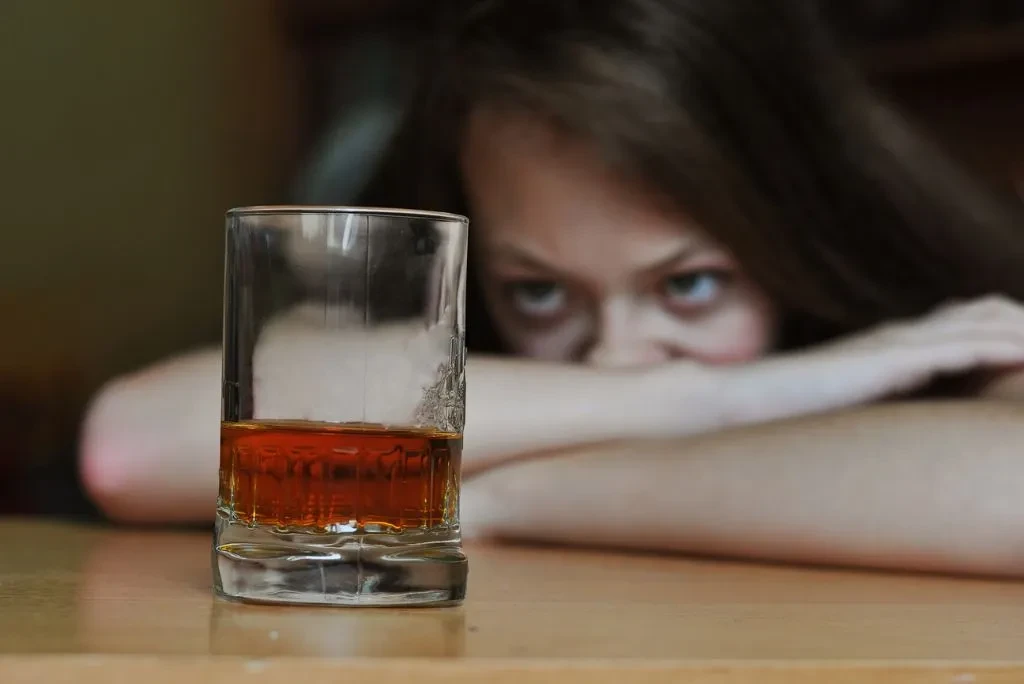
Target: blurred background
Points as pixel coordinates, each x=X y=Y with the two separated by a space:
x=128 y=128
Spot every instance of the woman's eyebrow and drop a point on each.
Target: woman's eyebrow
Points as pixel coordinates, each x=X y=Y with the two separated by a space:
x=687 y=251
x=522 y=256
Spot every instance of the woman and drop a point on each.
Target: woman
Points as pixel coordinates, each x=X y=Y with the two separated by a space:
x=733 y=277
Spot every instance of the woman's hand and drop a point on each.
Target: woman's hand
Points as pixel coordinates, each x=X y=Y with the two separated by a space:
x=893 y=359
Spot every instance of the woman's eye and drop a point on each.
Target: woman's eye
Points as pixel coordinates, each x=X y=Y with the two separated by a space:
x=694 y=290
x=540 y=298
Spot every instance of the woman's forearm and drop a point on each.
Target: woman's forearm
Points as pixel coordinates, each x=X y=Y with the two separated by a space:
x=924 y=486
x=150 y=442
x=517 y=407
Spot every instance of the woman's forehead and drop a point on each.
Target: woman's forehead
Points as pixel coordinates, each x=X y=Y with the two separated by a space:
x=533 y=187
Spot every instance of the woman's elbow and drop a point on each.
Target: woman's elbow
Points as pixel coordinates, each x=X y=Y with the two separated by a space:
x=141 y=462
x=108 y=461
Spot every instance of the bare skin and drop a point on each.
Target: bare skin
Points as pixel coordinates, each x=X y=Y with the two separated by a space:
x=907 y=486
x=649 y=388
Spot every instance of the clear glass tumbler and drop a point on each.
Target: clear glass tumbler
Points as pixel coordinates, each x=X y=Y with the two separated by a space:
x=343 y=407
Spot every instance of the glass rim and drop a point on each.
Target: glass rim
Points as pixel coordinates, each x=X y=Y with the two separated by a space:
x=384 y=212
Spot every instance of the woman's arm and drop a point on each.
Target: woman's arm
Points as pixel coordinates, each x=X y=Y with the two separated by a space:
x=517 y=407
x=923 y=486
x=150 y=441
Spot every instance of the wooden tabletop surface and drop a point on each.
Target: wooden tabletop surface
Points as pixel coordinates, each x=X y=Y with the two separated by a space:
x=93 y=604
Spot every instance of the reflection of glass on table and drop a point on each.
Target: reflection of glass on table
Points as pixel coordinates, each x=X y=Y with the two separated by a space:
x=343 y=407
x=267 y=631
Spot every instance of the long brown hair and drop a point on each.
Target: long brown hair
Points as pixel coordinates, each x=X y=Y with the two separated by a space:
x=744 y=115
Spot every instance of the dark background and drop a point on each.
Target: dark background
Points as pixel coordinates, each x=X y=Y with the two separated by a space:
x=129 y=127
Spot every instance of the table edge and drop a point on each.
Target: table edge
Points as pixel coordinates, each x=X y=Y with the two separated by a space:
x=157 y=669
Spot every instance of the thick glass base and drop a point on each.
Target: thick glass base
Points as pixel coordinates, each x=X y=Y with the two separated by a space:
x=416 y=568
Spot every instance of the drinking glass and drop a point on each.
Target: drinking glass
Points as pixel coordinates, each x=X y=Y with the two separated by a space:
x=343 y=405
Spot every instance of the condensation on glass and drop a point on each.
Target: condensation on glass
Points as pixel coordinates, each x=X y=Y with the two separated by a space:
x=343 y=406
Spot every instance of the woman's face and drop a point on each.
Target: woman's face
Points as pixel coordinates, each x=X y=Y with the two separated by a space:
x=577 y=265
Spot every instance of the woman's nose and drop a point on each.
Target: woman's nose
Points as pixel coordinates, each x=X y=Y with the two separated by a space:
x=620 y=342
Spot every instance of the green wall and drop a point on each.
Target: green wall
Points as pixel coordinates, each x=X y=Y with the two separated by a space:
x=126 y=129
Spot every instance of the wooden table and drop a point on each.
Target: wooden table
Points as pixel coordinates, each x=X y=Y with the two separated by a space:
x=81 y=604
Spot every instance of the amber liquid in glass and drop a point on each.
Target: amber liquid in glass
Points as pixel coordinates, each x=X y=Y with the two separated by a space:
x=319 y=477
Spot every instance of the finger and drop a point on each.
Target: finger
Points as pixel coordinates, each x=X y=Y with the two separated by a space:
x=986 y=308
x=922 y=364
x=996 y=322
